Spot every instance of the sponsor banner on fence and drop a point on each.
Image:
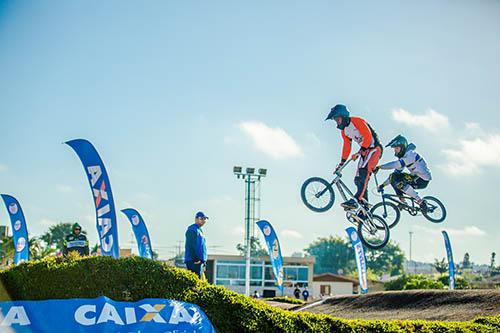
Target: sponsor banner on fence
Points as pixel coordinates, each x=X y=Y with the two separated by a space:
x=140 y=232
x=19 y=230
x=103 y=197
x=103 y=315
x=359 y=253
x=274 y=249
x=451 y=265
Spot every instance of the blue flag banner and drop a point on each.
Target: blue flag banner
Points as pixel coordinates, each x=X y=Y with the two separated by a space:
x=103 y=315
x=360 y=259
x=103 y=197
x=140 y=232
x=451 y=265
x=19 y=230
x=273 y=246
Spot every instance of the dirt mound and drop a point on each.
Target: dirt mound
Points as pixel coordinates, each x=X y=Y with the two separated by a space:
x=459 y=305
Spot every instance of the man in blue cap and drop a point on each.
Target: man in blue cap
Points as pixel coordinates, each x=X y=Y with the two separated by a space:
x=195 y=254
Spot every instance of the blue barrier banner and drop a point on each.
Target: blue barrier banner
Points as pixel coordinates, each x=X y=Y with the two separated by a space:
x=273 y=246
x=140 y=232
x=103 y=315
x=19 y=230
x=451 y=265
x=359 y=253
x=103 y=197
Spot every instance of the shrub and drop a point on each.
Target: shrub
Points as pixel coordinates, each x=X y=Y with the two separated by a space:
x=132 y=279
x=284 y=299
x=460 y=282
x=411 y=281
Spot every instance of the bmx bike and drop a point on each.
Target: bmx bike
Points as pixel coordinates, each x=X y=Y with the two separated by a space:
x=391 y=206
x=318 y=195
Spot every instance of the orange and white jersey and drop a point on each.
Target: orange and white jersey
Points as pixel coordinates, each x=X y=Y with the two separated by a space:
x=359 y=131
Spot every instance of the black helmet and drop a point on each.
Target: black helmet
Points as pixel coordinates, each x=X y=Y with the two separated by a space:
x=339 y=110
x=77 y=226
x=399 y=141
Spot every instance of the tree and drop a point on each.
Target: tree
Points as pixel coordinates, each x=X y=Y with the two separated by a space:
x=492 y=261
x=57 y=233
x=7 y=251
x=466 y=263
x=256 y=249
x=332 y=254
x=388 y=260
x=39 y=250
x=440 y=265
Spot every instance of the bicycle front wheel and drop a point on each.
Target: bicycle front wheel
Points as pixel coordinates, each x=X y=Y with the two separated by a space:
x=374 y=233
x=388 y=211
x=436 y=212
x=317 y=194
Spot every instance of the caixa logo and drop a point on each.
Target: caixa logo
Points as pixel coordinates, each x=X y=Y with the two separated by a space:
x=102 y=205
x=89 y=315
x=14 y=315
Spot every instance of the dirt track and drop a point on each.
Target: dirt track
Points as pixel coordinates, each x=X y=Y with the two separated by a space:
x=458 y=305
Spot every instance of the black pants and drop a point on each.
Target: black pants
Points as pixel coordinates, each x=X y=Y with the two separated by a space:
x=195 y=268
x=400 y=179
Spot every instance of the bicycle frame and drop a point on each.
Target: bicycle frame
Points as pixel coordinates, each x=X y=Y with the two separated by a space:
x=413 y=209
x=342 y=187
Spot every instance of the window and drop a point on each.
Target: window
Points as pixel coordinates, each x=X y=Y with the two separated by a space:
x=303 y=274
x=222 y=271
x=291 y=273
x=256 y=273
x=222 y=282
x=268 y=273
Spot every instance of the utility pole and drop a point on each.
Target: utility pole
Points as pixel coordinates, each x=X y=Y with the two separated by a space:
x=251 y=179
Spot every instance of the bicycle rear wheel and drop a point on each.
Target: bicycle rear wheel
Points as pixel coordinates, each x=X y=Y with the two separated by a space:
x=436 y=212
x=388 y=211
x=374 y=233
x=317 y=194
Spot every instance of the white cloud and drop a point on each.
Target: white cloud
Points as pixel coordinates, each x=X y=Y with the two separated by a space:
x=238 y=231
x=274 y=142
x=465 y=231
x=3 y=168
x=472 y=155
x=472 y=126
x=430 y=120
x=47 y=222
x=291 y=233
x=64 y=188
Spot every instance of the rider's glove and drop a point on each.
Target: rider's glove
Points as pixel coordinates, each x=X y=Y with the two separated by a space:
x=340 y=165
x=363 y=151
x=380 y=188
x=376 y=169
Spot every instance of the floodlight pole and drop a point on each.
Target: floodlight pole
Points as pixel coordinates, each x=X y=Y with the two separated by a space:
x=248 y=239
x=250 y=179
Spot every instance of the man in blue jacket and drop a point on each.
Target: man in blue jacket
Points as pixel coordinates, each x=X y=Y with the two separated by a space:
x=195 y=254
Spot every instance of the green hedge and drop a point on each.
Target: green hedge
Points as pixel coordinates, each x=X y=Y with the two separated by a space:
x=132 y=279
x=284 y=299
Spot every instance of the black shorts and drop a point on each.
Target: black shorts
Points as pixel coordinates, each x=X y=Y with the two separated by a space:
x=400 y=179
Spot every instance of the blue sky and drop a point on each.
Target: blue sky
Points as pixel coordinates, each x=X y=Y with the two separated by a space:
x=173 y=94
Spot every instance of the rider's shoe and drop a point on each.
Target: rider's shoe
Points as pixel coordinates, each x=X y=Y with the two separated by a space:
x=423 y=207
x=350 y=204
x=361 y=215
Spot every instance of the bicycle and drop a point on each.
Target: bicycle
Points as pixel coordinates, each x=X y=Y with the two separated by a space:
x=390 y=207
x=318 y=195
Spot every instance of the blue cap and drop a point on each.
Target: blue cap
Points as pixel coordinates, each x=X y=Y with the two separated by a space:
x=201 y=215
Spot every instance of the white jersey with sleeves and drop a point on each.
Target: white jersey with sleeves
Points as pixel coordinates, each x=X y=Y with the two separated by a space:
x=413 y=162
